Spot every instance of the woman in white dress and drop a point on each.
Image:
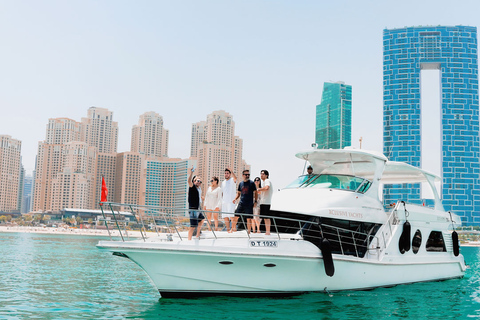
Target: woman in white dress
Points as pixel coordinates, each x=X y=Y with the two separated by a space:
x=213 y=202
x=256 y=209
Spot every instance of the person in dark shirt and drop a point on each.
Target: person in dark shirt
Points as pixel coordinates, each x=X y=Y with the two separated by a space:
x=247 y=192
x=309 y=170
x=194 y=204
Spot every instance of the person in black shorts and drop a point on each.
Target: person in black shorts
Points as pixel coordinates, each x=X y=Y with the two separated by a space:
x=194 y=204
x=247 y=192
x=266 y=190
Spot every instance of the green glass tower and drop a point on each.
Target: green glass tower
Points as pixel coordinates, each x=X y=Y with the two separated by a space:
x=333 y=128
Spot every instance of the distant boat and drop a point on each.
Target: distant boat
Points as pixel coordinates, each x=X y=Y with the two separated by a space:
x=331 y=233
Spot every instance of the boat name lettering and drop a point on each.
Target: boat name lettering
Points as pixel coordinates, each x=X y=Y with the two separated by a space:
x=261 y=243
x=346 y=214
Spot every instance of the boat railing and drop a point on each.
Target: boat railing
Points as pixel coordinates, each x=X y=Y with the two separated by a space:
x=154 y=220
x=387 y=230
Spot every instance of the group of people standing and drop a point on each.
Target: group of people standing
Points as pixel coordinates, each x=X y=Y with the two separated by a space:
x=252 y=198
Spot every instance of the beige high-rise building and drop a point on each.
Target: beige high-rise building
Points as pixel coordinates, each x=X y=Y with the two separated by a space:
x=216 y=147
x=72 y=160
x=99 y=130
x=62 y=130
x=199 y=136
x=49 y=160
x=149 y=136
x=164 y=183
x=127 y=177
x=73 y=187
x=238 y=163
x=10 y=167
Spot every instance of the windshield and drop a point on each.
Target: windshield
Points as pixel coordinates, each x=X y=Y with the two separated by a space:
x=332 y=181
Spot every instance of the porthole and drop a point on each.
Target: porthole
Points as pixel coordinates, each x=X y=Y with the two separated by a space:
x=269 y=265
x=435 y=242
x=416 y=241
x=226 y=262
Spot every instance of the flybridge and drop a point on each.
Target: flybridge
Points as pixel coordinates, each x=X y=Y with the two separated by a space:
x=371 y=166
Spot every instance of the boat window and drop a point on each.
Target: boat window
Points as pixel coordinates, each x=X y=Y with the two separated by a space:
x=301 y=180
x=417 y=241
x=435 y=242
x=332 y=181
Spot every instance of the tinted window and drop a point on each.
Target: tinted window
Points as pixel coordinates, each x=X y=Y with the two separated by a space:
x=435 y=242
x=300 y=180
x=416 y=241
x=344 y=182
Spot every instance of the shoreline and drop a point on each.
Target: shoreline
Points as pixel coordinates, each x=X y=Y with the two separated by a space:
x=470 y=244
x=68 y=231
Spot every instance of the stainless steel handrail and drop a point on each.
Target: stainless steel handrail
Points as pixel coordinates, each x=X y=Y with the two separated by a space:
x=345 y=240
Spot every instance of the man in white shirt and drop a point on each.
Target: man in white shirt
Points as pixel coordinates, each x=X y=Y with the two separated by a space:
x=229 y=189
x=266 y=191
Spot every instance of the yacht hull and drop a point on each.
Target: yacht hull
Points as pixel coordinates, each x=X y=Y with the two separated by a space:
x=192 y=268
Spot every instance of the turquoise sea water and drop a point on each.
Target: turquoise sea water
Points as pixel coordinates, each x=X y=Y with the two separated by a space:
x=67 y=277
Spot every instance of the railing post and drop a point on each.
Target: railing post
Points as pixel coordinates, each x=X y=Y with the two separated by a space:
x=276 y=228
x=246 y=226
x=133 y=213
x=116 y=222
x=355 y=244
x=105 y=221
x=340 y=241
x=154 y=222
x=178 y=232
x=209 y=224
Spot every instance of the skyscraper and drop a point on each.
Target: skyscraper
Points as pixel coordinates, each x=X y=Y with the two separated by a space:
x=27 y=194
x=72 y=160
x=149 y=136
x=49 y=162
x=333 y=128
x=10 y=172
x=100 y=131
x=216 y=147
x=73 y=186
x=164 y=183
x=127 y=177
x=452 y=51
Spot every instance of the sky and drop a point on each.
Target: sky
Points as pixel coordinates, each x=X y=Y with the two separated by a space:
x=264 y=62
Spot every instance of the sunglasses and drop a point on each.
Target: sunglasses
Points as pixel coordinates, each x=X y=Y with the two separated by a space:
x=199 y=181
x=247 y=174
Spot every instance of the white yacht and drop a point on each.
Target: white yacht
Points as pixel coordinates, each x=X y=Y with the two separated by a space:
x=330 y=232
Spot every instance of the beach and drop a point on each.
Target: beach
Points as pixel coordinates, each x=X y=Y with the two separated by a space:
x=71 y=231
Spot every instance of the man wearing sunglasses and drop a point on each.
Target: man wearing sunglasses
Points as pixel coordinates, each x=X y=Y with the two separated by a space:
x=247 y=192
x=194 y=204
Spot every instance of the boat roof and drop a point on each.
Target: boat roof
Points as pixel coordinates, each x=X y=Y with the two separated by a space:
x=363 y=163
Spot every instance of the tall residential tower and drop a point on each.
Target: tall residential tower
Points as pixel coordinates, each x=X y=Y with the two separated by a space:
x=216 y=147
x=10 y=173
x=333 y=128
x=149 y=137
x=452 y=51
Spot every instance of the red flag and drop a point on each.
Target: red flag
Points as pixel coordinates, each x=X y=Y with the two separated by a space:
x=104 y=191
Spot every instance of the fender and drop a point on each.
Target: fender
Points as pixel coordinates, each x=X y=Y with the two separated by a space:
x=404 y=241
x=456 y=247
x=327 y=257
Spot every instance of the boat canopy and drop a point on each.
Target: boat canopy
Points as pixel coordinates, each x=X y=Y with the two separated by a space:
x=400 y=172
x=362 y=163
